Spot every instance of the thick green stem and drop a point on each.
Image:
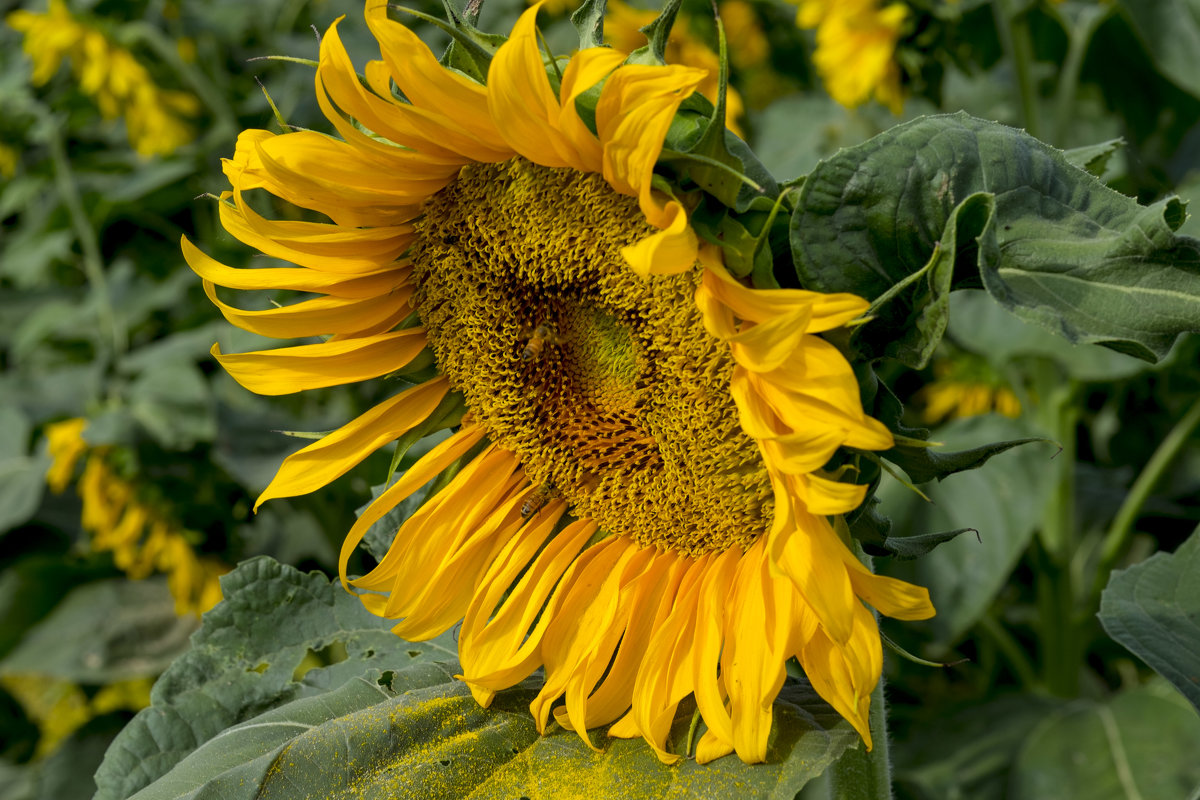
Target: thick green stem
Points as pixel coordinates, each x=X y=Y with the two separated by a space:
x=861 y=774
x=1013 y=29
x=1059 y=635
x=1079 y=33
x=1121 y=528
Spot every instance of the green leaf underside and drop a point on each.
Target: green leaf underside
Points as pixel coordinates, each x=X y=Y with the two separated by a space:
x=1045 y=238
x=1153 y=609
x=228 y=721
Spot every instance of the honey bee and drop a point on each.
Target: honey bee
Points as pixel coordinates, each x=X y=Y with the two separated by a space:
x=534 y=502
x=543 y=334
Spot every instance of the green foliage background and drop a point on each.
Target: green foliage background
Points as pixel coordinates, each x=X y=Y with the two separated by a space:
x=1079 y=587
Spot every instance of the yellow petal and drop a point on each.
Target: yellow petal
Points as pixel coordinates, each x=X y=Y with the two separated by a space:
x=711 y=628
x=426 y=469
x=499 y=642
x=586 y=68
x=753 y=665
x=666 y=674
x=434 y=529
x=808 y=553
x=371 y=284
x=450 y=587
x=317 y=245
x=845 y=674
x=383 y=114
x=582 y=628
x=671 y=250
x=633 y=114
x=460 y=102
x=646 y=602
x=522 y=103
x=822 y=496
x=321 y=316
x=314 y=366
x=765 y=346
x=333 y=455
x=828 y=311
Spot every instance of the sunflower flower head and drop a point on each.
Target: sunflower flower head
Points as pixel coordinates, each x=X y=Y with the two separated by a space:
x=109 y=74
x=633 y=495
x=966 y=386
x=856 y=46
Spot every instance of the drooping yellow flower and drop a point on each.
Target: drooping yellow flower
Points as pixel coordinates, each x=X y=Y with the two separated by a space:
x=66 y=445
x=639 y=505
x=622 y=30
x=109 y=74
x=141 y=538
x=965 y=388
x=856 y=45
x=59 y=707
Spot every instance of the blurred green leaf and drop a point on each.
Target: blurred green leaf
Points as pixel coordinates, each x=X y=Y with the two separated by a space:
x=1153 y=608
x=102 y=632
x=66 y=774
x=1141 y=744
x=22 y=476
x=30 y=587
x=970 y=753
x=1170 y=32
x=1060 y=249
x=983 y=326
x=173 y=402
x=1003 y=502
x=17 y=781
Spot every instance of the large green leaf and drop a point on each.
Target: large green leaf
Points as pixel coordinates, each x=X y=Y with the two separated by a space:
x=1153 y=608
x=969 y=754
x=984 y=327
x=1142 y=744
x=1003 y=503
x=242 y=662
x=1051 y=243
x=231 y=720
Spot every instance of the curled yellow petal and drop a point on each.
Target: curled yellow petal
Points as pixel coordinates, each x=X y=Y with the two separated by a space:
x=333 y=455
x=313 y=366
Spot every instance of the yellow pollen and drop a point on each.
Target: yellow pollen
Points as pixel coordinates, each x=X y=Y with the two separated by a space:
x=606 y=386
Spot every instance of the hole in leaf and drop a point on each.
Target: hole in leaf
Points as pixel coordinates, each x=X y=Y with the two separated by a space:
x=368 y=653
x=386 y=678
x=445 y=762
x=260 y=669
x=331 y=653
x=414 y=653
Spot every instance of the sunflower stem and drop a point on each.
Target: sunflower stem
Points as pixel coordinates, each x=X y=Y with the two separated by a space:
x=89 y=242
x=1121 y=529
x=861 y=774
x=1013 y=29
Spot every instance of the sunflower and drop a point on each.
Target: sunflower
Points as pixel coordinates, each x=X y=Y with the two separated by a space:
x=856 y=48
x=632 y=497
